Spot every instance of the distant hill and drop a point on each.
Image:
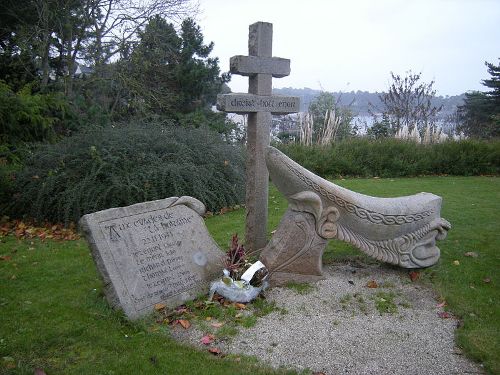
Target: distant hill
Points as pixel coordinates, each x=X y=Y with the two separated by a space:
x=358 y=100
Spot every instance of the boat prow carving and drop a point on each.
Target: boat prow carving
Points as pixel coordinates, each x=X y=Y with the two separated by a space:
x=401 y=231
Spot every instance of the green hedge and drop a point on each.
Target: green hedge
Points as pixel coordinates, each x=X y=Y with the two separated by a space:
x=120 y=166
x=388 y=157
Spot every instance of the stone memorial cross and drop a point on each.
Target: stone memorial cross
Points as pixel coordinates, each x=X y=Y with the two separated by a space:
x=260 y=105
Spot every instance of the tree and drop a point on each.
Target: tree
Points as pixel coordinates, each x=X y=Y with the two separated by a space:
x=479 y=116
x=116 y=24
x=331 y=120
x=197 y=74
x=493 y=83
x=170 y=73
x=407 y=102
x=380 y=129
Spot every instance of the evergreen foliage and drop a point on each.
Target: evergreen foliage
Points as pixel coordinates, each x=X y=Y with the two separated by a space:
x=387 y=157
x=113 y=167
x=479 y=116
x=28 y=117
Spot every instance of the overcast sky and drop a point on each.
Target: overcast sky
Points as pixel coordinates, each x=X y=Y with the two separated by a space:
x=355 y=44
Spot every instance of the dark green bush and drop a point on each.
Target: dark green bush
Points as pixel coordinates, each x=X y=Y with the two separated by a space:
x=32 y=117
x=120 y=166
x=388 y=157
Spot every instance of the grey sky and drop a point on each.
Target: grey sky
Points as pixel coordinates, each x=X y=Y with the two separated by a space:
x=354 y=45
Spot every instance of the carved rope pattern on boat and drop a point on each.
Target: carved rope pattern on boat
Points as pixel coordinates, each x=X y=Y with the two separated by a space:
x=363 y=213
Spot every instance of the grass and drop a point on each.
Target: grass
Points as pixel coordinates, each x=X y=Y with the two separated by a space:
x=54 y=316
x=300 y=288
x=471 y=204
x=384 y=303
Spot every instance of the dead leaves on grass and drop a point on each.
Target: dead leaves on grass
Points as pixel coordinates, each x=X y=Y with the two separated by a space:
x=445 y=315
x=215 y=351
x=183 y=322
x=27 y=230
x=372 y=284
x=414 y=275
x=207 y=339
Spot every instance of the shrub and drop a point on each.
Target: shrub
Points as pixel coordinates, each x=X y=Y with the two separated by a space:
x=388 y=157
x=30 y=117
x=120 y=166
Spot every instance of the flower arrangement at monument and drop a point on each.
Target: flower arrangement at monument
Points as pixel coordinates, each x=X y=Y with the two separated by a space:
x=242 y=281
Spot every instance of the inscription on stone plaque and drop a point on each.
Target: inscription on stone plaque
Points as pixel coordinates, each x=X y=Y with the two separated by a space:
x=246 y=103
x=152 y=252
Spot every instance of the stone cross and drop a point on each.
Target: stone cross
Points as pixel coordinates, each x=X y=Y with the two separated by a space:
x=260 y=105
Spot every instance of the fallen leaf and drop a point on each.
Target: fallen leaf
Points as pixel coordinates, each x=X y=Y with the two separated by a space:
x=160 y=306
x=5 y=257
x=214 y=351
x=444 y=315
x=181 y=309
x=240 y=306
x=487 y=280
x=456 y=263
x=208 y=318
x=457 y=351
x=9 y=362
x=29 y=230
x=239 y=315
x=217 y=324
x=372 y=284
x=414 y=275
x=184 y=323
x=442 y=304
x=39 y=371
x=471 y=254
x=207 y=339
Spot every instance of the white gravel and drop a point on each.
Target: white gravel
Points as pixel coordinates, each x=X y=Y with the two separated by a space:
x=336 y=328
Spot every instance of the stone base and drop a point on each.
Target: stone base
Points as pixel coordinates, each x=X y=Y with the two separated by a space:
x=295 y=249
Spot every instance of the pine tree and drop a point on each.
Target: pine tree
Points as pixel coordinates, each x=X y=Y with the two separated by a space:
x=479 y=116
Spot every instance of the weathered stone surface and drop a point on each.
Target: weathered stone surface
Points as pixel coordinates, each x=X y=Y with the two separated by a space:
x=294 y=253
x=250 y=65
x=401 y=231
x=152 y=252
x=247 y=103
x=260 y=67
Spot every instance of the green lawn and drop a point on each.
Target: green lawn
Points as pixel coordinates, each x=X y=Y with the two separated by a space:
x=53 y=315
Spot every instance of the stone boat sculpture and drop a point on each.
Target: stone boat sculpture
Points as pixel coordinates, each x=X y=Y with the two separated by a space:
x=401 y=231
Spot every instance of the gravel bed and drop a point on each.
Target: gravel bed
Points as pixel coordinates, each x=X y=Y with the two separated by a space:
x=336 y=327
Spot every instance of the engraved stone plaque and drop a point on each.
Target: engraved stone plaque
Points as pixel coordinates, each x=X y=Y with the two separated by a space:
x=152 y=252
x=248 y=103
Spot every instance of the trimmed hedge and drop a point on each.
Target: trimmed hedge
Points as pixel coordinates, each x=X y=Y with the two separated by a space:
x=120 y=166
x=361 y=157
